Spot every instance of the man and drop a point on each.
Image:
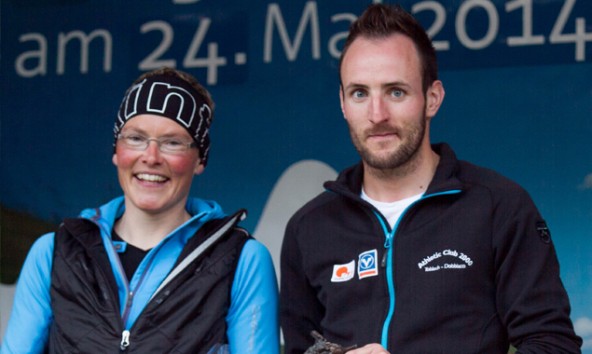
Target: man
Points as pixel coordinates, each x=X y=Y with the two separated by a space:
x=412 y=250
x=153 y=271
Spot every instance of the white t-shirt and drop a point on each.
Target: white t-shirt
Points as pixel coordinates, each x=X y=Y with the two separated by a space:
x=391 y=210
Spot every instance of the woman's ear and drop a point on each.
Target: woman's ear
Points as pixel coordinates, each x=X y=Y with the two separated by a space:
x=199 y=168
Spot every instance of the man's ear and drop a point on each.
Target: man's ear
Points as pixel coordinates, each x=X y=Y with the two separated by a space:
x=114 y=159
x=434 y=98
x=341 y=100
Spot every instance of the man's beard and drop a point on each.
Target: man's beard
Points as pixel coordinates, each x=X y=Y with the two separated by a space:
x=402 y=155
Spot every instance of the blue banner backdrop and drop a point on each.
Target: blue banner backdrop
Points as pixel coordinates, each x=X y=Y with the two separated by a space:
x=517 y=75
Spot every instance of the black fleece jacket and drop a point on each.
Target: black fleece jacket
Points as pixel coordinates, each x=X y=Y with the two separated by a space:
x=469 y=268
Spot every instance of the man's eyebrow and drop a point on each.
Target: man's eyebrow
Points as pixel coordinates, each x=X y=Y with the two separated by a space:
x=384 y=85
x=396 y=84
x=355 y=86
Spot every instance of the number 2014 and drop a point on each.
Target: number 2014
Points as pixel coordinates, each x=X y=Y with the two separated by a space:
x=557 y=36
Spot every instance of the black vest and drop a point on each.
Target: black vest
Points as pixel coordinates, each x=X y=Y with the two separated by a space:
x=186 y=316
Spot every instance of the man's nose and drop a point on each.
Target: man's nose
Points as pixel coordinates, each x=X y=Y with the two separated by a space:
x=378 y=112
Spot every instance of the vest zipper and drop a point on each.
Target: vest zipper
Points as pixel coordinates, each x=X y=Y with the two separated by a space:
x=125 y=336
x=127 y=309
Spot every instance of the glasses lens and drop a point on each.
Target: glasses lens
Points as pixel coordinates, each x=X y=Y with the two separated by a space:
x=133 y=141
x=173 y=145
x=166 y=145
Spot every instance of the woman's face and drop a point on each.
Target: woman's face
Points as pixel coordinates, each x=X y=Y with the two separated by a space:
x=152 y=181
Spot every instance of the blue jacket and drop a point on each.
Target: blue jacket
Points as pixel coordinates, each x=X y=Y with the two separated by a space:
x=253 y=298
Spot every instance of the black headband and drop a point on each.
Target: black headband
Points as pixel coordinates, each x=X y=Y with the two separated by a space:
x=170 y=97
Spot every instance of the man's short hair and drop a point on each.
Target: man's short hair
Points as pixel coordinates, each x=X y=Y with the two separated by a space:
x=380 y=21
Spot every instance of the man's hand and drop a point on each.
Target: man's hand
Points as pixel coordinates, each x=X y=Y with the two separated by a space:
x=323 y=346
x=369 y=349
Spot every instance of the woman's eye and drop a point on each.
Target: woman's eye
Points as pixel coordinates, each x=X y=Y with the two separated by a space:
x=136 y=138
x=173 y=142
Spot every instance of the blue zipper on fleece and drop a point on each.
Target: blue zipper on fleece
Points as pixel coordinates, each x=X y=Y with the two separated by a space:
x=388 y=243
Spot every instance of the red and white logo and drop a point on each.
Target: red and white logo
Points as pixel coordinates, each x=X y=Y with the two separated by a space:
x=343 y=272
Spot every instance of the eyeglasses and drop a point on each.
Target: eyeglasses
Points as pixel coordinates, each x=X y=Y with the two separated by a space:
x=165 y=145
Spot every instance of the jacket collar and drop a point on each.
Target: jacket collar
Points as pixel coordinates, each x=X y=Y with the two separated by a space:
x=446 y=174
x=349 y=181
x=201 y=211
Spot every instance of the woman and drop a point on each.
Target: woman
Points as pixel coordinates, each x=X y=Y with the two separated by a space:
x=153 y=270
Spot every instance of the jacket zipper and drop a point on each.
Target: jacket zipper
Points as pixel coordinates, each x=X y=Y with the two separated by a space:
x=125 y=335
x=387 y=259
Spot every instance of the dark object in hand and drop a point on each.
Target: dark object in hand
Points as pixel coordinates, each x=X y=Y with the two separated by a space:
x=323 y=346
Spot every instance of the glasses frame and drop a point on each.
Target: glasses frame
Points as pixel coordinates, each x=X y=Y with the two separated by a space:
x=159 y=142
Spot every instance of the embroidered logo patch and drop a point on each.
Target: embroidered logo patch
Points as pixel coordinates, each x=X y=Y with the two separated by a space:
x=367 y=265
x=343 y=272
x=543 y=231
x=447 y=259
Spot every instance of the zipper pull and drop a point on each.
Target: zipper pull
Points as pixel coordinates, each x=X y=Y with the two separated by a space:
x=124 y=340
x=388 y=241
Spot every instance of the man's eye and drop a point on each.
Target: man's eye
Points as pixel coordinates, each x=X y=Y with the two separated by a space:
x=358 y=94
x=397 y=93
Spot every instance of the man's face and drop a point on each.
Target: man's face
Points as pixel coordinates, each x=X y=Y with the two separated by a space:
x=383 y=101
x=152 y=181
